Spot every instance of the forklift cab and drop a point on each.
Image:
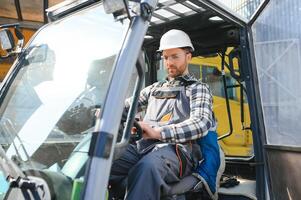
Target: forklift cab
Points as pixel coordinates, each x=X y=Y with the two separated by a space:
x=62 y=101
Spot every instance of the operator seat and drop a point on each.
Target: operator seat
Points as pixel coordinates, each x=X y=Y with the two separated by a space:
x=191 y=188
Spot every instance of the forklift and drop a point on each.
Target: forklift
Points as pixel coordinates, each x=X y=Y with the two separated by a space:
x=61 y=103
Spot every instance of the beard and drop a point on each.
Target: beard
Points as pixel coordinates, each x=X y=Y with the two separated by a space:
x=174 y=71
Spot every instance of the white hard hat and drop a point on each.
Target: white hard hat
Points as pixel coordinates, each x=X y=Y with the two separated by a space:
x=175 y=39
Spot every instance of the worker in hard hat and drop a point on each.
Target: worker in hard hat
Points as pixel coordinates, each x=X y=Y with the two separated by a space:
x=178 y=117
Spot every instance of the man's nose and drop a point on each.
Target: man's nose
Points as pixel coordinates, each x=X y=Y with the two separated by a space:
x=169 y=61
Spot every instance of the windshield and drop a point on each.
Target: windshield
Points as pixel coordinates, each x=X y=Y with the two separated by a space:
x=61 y=81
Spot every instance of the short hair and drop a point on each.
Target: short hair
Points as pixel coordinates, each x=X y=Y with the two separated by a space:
x=187 y=49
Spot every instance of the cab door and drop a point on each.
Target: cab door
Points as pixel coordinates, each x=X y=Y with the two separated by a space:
x=276 y=35
x=273 y=60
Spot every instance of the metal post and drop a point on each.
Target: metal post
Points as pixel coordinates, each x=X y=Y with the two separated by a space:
x=99 y=166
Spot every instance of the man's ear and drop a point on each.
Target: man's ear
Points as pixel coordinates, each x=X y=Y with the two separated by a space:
x=189 y=56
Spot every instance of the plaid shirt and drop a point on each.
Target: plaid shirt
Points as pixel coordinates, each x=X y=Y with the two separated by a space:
x=201 y=118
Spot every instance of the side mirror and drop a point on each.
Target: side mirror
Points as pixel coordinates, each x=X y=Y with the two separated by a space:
x=7 y=40
x=113 y=6
x=119 y=8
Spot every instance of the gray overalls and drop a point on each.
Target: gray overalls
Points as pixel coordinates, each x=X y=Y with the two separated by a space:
x=152 y=165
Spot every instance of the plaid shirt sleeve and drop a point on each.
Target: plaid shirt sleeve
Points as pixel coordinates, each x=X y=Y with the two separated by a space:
x=143 y=99
x=200 y=121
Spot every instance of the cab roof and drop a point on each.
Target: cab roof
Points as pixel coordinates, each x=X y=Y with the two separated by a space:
x=208 y=30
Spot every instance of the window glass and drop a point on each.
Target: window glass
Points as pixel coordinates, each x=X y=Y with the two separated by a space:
x=213 y=77
x=245 y=8
x=58 y=89
x=161 y=72
x=195 y=70
x=277 y=37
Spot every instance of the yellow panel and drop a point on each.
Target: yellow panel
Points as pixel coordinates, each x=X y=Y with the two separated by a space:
x=213 y=61
x=240 y=143
x=28 y=33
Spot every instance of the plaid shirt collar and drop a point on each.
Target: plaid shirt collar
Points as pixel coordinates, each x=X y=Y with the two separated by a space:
x=183 y=78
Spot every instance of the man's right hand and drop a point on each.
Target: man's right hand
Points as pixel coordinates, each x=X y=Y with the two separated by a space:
x=149 y=132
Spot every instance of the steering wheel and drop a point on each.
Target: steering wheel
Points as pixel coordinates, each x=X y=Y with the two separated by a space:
x=120 y=148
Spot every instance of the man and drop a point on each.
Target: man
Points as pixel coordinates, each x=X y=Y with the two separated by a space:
x=178 y=113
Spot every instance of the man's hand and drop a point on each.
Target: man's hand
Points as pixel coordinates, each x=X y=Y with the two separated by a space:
x=149 y=132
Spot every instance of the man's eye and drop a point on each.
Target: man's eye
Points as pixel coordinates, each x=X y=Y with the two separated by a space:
x=174 y=57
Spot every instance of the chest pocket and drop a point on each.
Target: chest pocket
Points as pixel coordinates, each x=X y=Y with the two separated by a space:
x=159 y=94
x=167 y=105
